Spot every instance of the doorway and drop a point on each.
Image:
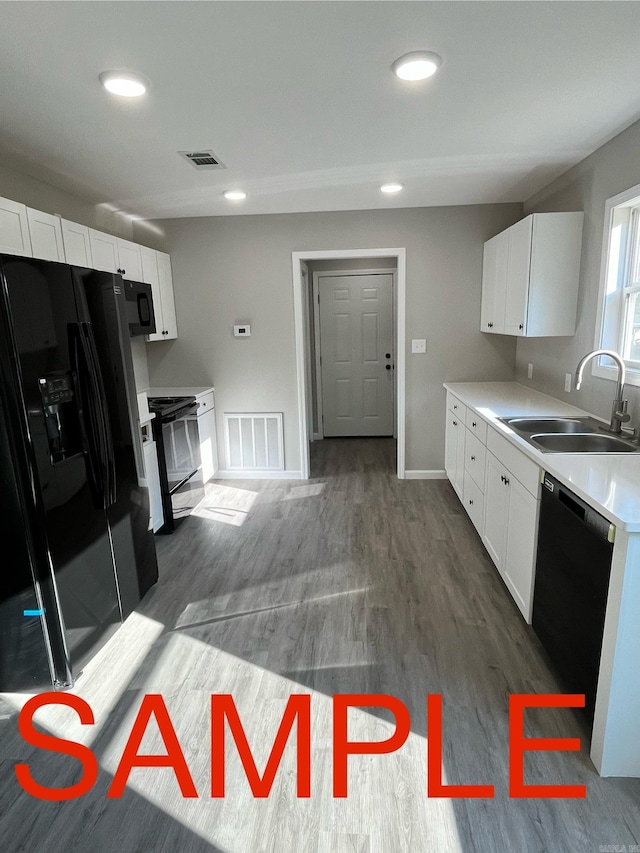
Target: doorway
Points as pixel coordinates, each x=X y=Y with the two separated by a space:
x=305 y=358
x=354 y=353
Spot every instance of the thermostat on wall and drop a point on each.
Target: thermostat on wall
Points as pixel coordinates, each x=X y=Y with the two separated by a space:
x=243 y=331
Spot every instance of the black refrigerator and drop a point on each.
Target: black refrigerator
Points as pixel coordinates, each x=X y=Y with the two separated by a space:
x=78 y=551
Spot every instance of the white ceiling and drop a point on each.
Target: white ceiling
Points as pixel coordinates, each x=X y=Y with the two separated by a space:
x=298 y=100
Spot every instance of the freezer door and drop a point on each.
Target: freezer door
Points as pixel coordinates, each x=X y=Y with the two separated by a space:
x=64 y=452
x=102 y=310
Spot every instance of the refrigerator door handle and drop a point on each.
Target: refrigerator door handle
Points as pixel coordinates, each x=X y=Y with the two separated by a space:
x=88 y=414
x=109 y=467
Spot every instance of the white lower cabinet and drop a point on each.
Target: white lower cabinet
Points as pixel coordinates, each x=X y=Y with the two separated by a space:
x=454 y=452
x=208 y=443
x=152 y=476
x=509 y=531
x=499 y=488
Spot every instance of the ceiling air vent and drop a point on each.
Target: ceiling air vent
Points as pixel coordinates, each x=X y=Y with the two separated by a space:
x=202 y=159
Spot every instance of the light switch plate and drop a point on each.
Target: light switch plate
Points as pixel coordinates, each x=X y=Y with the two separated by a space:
x=418 y=345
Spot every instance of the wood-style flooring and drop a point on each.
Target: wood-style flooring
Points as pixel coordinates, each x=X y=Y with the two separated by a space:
x=351 y=582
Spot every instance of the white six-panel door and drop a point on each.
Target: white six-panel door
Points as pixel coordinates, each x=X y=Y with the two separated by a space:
x=356 y=345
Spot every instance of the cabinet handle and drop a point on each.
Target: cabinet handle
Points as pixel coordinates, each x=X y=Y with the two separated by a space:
x=455 y=406
x=470 y=501
x=521 y=326
x=473 y=458
x=504 y=479
x=490 y=325
x=473 y=423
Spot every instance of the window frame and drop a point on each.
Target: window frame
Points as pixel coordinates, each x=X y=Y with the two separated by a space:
x=614 y=271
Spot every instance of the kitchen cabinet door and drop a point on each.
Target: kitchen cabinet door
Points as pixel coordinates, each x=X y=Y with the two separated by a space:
x=77 y=246
x=496 y=511
x=46 y=235
x=494 y=283
x=129 y=260
x=163 y=302
x=454 y=452
x=104 y=251
x=208 y=443
x=149 y=268
x=152 y=476
x=518 y=267
x=14 y=228
x=520 y=553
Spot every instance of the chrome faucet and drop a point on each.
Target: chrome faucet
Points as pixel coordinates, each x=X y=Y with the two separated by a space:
x=619 y=414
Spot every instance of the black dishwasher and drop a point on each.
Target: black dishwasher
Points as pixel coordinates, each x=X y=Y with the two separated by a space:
x=573 y=564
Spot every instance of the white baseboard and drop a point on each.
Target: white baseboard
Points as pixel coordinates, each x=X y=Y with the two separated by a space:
x=256 y=474
x=417 y=474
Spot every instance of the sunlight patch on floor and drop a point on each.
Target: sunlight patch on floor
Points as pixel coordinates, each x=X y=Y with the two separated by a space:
x=382 y=789
x=225 y=504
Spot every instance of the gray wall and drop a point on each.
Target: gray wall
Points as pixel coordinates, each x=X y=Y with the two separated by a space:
x=609 y=170
x=238 y=269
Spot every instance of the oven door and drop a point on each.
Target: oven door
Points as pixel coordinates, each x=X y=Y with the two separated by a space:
x=181 y=451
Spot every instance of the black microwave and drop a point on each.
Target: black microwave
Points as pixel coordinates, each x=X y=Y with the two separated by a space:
x=139 y=303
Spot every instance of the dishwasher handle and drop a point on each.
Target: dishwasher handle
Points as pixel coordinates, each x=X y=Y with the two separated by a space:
x=553 y=489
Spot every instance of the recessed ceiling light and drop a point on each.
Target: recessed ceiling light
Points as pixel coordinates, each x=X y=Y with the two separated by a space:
x=123 y=83
x=235 y=195
x=391 y=188
x=417 y=65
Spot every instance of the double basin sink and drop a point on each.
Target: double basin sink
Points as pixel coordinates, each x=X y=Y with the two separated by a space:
x=570 y=435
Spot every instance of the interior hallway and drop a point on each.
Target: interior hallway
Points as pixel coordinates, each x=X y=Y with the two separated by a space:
x=350 y=582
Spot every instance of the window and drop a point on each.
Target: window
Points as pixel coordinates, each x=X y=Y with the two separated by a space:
x=618 y=326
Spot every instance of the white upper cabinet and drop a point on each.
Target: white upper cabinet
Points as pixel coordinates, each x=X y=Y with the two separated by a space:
x=494 y=283
x=46 y=235
x=530 y=277
x=104 y=251
x=77 y=247
x=129 y=260
x=162 y=291
x=14 y=228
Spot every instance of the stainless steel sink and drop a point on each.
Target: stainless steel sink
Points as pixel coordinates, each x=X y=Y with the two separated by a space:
x=582 y=443
x=570 y=435
x=551 y=424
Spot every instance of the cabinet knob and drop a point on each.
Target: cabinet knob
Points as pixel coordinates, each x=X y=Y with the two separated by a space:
x=387 y=367
x=473 y=458
x=473 y=423
x=470 y=501
x=504 y=479
x=455 y=407
x=521 y=326
x=455 y=423
x=388 y=355
x=490 y=325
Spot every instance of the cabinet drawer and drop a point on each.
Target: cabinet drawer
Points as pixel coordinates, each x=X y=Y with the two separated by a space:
x=205 y=403
x=476 y=425
x=522 y=468
x=474 y=458
x=454 y=405
x=473 y=501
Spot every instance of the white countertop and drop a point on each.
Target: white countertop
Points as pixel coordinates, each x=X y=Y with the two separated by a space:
x=609 y=482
